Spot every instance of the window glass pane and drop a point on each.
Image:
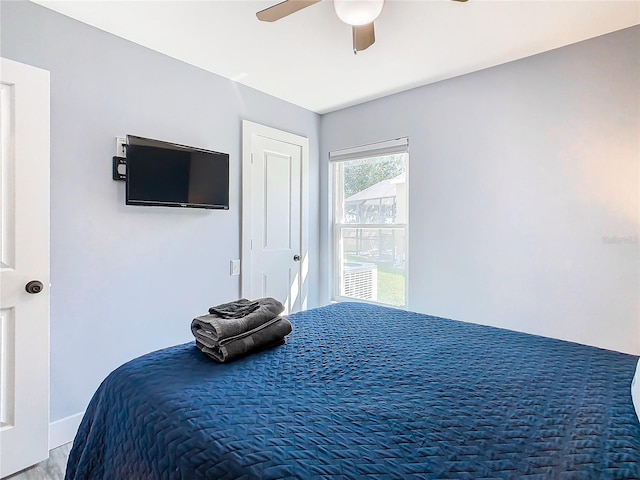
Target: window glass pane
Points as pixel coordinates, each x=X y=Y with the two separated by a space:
x=372 y=264
x=370 y=221
x=372 y=190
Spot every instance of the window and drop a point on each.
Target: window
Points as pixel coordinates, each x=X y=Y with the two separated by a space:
x=370 y=206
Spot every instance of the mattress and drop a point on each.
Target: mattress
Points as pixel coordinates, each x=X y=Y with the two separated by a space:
x=366 y=391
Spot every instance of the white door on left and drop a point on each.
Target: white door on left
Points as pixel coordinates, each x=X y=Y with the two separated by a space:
x=24 y=257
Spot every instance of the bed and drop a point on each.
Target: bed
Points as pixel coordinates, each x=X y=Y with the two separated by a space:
x=367 y=391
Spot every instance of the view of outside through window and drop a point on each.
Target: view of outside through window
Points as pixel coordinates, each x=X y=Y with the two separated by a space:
x=370 y=213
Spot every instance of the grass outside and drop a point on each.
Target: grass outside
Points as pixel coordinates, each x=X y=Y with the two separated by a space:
x=391 y=288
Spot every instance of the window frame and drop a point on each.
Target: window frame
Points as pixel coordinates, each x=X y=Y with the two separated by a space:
x=336 y=203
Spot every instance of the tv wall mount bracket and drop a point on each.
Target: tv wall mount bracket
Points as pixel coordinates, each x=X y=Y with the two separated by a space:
x=119 y=171
x=119 y=168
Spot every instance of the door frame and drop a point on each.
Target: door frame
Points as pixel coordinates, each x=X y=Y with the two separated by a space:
x=249 y=131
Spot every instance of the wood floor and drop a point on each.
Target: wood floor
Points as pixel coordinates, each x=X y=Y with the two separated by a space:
x=51 y=469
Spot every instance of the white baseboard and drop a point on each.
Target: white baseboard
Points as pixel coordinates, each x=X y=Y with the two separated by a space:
x=64 y=430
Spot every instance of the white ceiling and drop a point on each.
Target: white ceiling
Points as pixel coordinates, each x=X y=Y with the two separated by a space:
x=307 y=58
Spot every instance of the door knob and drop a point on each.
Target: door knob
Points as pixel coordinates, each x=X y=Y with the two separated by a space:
x=34 y=286
x=296 y=258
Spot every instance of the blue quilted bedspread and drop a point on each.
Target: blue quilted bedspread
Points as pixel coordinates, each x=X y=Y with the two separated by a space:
x=364 y=391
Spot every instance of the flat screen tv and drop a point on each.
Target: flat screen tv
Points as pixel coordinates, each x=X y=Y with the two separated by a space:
x=171 y=175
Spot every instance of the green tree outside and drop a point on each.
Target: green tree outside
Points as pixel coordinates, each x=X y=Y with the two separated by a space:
x=359 y=174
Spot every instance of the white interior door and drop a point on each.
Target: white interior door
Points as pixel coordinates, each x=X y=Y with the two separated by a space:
x=274 y=253
x=24 y=256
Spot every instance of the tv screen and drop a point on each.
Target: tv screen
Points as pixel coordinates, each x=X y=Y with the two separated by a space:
x=170 y=175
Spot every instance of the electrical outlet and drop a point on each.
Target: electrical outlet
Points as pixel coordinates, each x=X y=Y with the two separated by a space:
x=235 y=267
x=121 y=143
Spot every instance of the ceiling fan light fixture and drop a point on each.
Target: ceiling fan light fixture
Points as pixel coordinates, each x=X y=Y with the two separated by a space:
x=358 y=12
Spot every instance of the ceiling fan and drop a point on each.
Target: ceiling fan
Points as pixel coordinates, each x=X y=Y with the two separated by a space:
x=360 y=14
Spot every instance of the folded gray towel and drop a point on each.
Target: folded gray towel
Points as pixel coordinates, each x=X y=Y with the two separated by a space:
x=209 y=339
x=263 y=337
x=217 y=328
x=237 y=309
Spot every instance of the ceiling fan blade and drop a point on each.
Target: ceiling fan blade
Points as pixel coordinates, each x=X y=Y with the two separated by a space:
x=459 y=0
x=363 y=37
x=282 y=9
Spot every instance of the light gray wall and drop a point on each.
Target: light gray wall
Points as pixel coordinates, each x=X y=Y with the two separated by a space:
x=524 y=191
x=517 y=174
x=128 y=280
